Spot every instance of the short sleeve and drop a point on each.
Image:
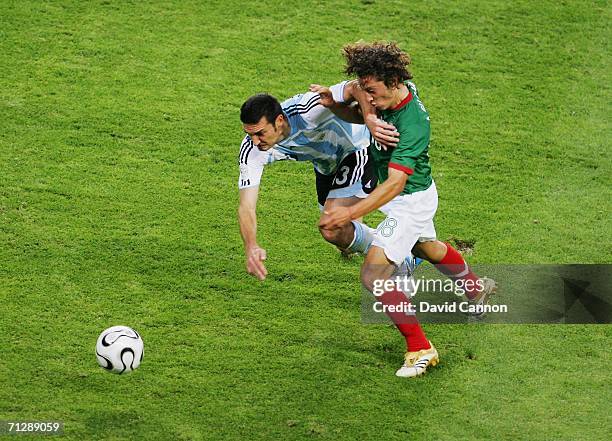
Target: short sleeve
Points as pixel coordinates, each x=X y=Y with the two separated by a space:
x=337 y=91
x=251 y=162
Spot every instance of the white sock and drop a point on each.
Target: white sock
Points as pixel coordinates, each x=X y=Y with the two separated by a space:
x=362 y=239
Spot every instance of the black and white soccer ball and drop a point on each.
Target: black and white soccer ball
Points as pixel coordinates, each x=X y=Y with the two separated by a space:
x=119 y=349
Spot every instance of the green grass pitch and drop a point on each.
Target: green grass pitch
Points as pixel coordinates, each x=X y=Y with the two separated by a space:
x=119 y=133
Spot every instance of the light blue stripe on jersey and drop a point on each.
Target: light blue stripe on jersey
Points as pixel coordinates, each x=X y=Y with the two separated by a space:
x=317 y=135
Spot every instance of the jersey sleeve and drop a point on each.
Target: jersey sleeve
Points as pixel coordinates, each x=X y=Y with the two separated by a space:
x=251 y=162
x=306 y=107
x=337 y=91
x=414 y=140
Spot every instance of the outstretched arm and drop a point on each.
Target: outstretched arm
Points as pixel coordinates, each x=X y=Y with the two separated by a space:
x=247 y=217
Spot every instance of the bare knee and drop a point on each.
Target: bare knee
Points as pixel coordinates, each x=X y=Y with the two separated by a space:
x=341 y=237
x=330 y=235
x=432 y=251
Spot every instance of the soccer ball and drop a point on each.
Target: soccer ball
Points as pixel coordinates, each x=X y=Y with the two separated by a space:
x=119 y=349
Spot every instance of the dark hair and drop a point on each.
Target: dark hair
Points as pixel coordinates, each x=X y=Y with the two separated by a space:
x=260 y=105
x=384 y=61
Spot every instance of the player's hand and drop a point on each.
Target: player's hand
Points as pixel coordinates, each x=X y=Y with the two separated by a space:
x=335 y=217
x=325 y=93
x=254 y=262
x=384 y=133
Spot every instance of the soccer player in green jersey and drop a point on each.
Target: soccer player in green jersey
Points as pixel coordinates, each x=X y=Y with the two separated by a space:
x=406 y=192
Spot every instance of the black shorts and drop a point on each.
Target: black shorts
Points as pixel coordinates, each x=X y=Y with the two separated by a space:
x=355 y=168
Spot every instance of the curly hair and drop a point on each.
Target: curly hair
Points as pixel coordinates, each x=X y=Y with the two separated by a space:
x=384 y=61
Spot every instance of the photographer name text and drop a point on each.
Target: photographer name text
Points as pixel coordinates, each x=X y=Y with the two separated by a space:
x=420 y=307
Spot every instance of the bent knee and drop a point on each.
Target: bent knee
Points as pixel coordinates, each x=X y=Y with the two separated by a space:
x=329 y=235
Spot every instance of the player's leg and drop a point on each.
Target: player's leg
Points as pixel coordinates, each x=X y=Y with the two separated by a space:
x=352 y=181
x=448 y=260
x=345 y=236
x=396 y=234
x=377 y=268
x=452 y=264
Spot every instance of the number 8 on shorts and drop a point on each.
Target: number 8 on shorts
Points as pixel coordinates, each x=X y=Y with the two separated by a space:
x=387 y=226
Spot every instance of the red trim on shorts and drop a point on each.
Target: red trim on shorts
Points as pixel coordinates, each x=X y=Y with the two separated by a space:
x=401 y=167
x=404 y=101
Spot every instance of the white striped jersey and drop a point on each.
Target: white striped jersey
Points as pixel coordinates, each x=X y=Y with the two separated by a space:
x=317 y=135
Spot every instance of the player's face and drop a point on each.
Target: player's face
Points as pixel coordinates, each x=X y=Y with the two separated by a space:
x=380 y=96
x=265 y=134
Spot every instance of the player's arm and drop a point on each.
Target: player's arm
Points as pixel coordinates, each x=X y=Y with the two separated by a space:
x=383 y=193
x=386 y=134
x=337 y=99
x=247 y=218
x=251 y=163
x=340 y=99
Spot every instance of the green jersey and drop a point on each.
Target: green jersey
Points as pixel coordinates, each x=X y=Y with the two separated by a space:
x=411 y=153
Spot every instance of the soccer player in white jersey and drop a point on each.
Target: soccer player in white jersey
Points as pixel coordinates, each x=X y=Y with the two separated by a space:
x=301 y=129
